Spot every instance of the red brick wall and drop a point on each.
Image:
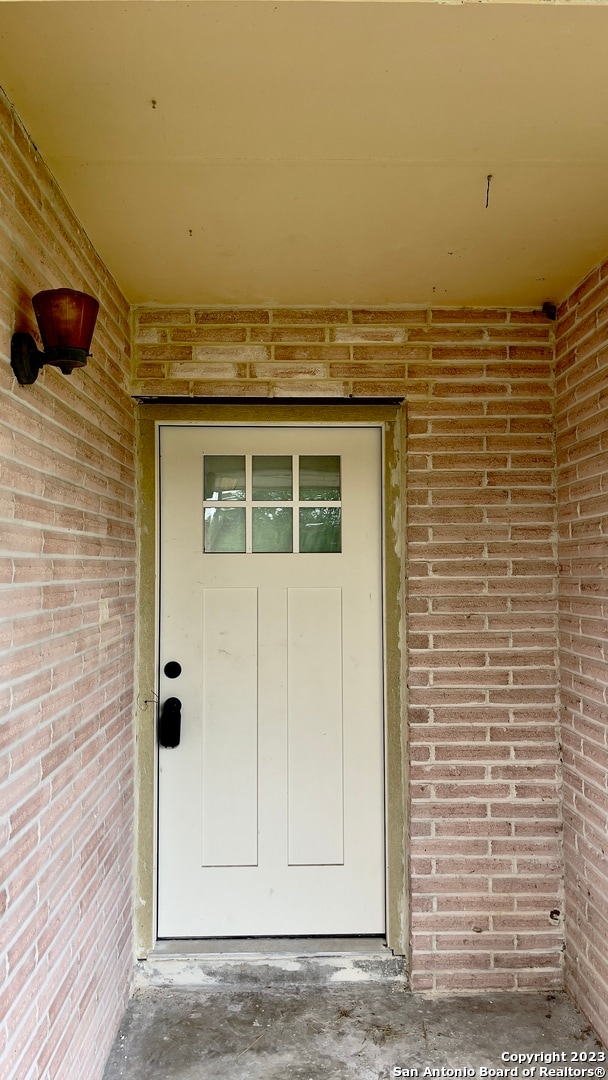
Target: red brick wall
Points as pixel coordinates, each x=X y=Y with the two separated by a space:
x=482 y=622
x=66 y=609
x=582 y=459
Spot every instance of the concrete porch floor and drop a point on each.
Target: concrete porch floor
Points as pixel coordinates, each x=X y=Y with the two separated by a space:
x=364 y=1032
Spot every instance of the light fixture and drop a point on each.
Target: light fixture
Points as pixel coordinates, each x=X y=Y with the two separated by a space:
x=66 y=320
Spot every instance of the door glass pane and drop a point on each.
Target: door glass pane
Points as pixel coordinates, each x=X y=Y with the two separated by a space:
x=272 y=528
x=224 y=528
x=224 y=477
x=271 y=478
x=320 y=528
x=319 y=478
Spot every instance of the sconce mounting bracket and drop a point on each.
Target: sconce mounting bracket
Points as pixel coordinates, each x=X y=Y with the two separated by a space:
x=26 y=359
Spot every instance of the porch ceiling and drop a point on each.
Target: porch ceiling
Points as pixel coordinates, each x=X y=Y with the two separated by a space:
x=323 y=153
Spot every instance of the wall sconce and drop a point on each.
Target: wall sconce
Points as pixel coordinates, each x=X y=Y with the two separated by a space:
x=66 y=320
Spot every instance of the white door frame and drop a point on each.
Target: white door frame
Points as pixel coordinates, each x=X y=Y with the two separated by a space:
x=390 y=419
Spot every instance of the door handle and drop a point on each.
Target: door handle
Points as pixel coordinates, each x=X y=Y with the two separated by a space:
x=170 y=722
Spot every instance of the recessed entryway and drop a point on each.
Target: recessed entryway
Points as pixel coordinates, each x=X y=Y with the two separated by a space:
x=276 y=634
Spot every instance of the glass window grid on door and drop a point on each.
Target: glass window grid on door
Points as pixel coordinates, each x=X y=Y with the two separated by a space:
x=249 y=503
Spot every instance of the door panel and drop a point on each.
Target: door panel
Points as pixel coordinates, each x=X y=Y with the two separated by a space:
x=229 y=728
x=271 y=809
x=314 y=727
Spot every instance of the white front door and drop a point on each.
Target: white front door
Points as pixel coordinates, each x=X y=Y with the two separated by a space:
x=271 y=808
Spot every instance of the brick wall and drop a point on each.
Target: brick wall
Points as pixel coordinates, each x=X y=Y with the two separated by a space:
x=582 y=458
x=482 y=622
x=486 y=859
x=66 y=606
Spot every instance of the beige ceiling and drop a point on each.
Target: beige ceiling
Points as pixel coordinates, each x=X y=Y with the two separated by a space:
x=323 y=153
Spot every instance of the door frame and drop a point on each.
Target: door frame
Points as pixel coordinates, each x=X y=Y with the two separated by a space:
x=390 y=419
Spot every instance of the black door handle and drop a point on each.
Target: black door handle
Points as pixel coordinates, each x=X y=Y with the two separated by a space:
x=170 y=722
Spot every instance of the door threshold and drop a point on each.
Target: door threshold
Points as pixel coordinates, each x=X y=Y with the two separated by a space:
x=249 y=963
x=270 y=946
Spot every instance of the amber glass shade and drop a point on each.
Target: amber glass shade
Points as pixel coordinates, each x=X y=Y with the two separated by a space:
x=66 y=318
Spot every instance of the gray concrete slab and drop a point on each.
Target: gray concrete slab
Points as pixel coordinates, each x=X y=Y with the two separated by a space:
x=364 y=1032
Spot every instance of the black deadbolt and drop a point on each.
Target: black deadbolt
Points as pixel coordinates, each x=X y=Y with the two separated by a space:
x=172 y=669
